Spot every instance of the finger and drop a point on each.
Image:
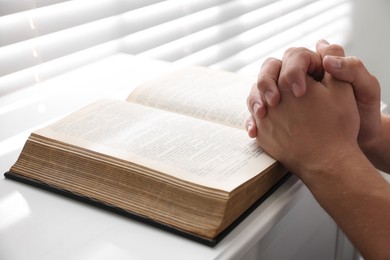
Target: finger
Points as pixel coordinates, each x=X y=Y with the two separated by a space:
x=297 y=63
x=251 y=127
x=323 y=48
x=351 y=69
x=257 y=109
x=366 y=89
x=255 y=103
x=267 y=81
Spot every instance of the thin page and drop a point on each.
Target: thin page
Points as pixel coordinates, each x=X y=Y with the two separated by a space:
x=217 y=96
x=193 y=150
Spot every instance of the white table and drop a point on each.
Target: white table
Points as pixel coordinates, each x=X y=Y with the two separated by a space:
x=36 y=224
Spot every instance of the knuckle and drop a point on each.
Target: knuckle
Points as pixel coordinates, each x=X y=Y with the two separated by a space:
x=254 y=97
x=250 y=101
x=335 y=48
x=297 y=51
x=269 y=62
x=290 y=75
x=358 y=65
x=375 y=80
x=262 y=84
x=289 y=50
x=375 y=85
x=355 y=62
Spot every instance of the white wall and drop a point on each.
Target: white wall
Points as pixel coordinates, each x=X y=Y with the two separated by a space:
x=370 y=39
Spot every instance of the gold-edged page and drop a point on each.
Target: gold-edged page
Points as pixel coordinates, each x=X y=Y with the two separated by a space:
x=213 y=95
x=186 y=148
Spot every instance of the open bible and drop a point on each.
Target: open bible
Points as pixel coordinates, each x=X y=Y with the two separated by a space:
x=174 y=154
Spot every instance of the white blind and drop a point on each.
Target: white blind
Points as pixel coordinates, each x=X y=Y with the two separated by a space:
x=40 y=39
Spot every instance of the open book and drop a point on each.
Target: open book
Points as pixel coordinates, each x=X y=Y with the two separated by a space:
x=174 y=153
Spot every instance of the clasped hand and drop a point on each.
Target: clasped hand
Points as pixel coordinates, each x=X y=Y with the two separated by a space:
x=310 y=108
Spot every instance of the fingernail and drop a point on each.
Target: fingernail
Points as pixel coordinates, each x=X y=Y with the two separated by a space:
x=334 y=61
x=250 y=130
x=255 y=107
x=268 y=97
x=249 y=127
x=297 y=90
x=323 y=42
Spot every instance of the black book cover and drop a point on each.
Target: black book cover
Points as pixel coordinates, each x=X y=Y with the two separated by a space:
x=112 y=208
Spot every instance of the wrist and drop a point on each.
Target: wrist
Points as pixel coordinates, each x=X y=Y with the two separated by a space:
x=371 y=147
x=356 y=196
x=332 y=166
x=377 y=148
x=370 y=143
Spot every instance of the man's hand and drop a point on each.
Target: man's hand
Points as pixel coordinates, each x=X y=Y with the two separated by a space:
x=309 y=133
x=299 y=62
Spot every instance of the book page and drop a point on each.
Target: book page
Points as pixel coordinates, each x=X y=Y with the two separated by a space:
x=193 y=150
x=217 y=96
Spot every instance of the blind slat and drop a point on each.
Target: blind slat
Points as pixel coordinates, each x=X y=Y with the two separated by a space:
x=45 y=48
x=42 y=39
x=226 y=48
x=54 y=18
x=9 y=7
x=329 y=21
x=188 y=25
x=49 y=47
x=44 y=71
x=219 y=30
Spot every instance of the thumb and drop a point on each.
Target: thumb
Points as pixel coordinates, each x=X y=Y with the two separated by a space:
x=350 y=69
x=366 y=89
x=323 y=48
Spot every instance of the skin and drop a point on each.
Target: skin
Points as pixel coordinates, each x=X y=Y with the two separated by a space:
x=330 y=133
x=297 y=62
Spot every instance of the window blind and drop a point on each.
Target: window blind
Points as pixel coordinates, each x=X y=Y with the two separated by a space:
x=40 y=39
